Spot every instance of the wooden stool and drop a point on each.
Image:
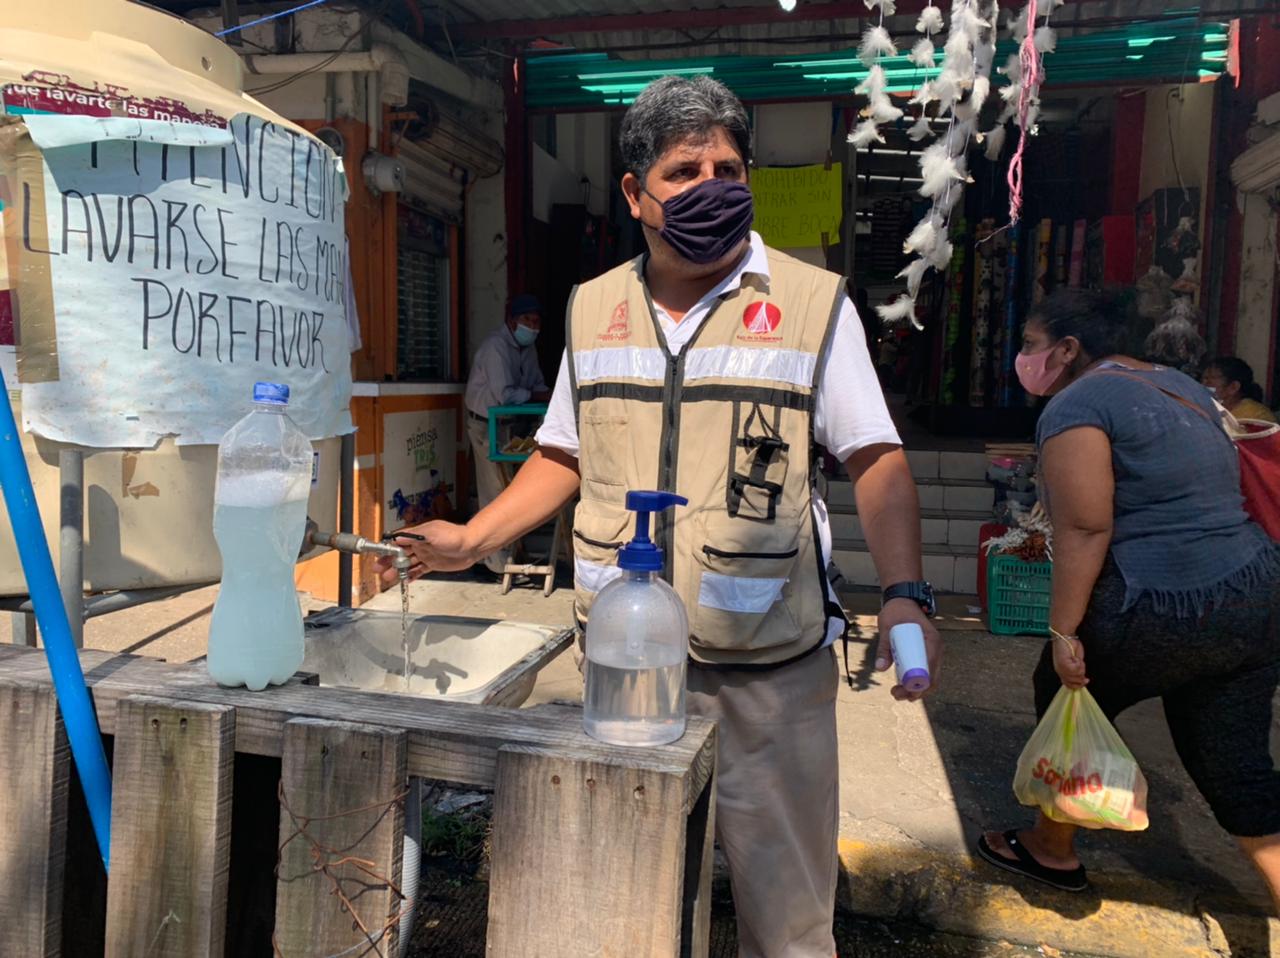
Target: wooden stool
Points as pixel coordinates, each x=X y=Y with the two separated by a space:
x=561 y=544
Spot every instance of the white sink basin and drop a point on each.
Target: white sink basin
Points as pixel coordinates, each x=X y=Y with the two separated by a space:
x=461 y=659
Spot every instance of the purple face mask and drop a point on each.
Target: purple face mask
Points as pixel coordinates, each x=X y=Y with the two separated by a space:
x=706 y=223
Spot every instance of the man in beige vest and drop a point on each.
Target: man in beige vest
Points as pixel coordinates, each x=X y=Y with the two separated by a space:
x=712 y=367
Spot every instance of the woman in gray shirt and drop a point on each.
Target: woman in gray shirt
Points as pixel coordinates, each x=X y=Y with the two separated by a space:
x=1162 y=586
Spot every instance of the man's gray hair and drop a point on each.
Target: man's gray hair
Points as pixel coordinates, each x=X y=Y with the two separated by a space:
x=673 y=109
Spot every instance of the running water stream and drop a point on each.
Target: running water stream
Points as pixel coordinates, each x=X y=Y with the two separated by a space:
x=404 y=629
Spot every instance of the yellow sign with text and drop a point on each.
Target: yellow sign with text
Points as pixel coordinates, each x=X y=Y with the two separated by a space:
x=796 y=205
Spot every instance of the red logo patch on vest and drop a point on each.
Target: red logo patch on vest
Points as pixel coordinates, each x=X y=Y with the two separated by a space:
x=761 y=319
x=619 y=327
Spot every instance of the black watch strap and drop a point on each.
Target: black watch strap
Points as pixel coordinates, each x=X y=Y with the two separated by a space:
x=919 y=592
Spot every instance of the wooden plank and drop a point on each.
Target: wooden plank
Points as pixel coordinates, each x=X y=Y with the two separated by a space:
x=170 y=829
x=341 y=839
x=447 y=740
x=588 y=858
x=35 y=766
x=22 y=628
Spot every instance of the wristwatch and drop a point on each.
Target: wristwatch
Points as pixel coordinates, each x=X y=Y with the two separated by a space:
x=919 y=592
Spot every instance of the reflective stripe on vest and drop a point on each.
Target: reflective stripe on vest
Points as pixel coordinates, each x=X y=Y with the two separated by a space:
x=726 y=422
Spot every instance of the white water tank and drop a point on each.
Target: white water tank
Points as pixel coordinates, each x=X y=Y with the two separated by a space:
x=148 y=511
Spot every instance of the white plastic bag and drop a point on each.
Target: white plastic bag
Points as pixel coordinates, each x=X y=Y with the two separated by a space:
x=1077 y=770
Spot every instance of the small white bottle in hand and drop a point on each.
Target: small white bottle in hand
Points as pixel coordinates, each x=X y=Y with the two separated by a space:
x=909 y=656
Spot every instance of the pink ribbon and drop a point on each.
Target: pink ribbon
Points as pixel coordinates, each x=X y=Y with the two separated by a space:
x=1032 y=75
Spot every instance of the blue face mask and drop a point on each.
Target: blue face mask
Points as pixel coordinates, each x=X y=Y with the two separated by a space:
x=524 y=335
x=708 y=222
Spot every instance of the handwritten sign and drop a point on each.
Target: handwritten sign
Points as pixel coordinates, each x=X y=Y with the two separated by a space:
x=796 y=205
x=156 y=275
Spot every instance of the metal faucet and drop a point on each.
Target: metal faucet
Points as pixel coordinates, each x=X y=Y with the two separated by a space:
x=359 y=545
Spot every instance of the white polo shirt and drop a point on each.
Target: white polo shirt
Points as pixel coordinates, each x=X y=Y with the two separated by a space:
x=849 y=411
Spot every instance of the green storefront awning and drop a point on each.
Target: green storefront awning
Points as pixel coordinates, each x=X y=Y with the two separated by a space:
x=1164 y=51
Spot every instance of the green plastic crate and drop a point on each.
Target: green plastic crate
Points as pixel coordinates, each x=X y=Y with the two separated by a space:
x=1018 y=595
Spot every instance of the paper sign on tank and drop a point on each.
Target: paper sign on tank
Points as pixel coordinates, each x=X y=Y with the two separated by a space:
x=158 y=270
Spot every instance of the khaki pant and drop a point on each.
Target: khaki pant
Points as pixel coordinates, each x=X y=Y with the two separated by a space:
x=489 y=481
x=777 y=801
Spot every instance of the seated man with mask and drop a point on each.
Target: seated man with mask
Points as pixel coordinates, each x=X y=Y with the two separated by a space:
x=505 y=372
x=712 y=366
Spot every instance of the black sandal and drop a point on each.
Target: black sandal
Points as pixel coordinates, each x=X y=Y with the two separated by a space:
x=1064 y=879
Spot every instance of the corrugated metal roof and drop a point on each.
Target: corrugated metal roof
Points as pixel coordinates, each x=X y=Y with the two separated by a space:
x=488 y=10
x=661 y=40
x=1140 y=53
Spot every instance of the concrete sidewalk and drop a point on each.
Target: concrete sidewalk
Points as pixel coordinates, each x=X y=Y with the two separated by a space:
x=919 y=782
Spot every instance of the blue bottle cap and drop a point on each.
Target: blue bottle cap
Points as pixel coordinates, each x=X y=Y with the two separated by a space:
x=271 y=394
x=640 y=554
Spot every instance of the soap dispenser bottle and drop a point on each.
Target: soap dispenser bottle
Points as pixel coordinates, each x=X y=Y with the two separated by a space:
x=637 y=643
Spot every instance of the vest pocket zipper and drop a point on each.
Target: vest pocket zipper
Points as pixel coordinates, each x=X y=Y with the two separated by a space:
x=722 y=554
x=597 y=543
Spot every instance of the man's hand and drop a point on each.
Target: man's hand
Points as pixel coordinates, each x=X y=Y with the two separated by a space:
x=897 y=612
x=444 y=547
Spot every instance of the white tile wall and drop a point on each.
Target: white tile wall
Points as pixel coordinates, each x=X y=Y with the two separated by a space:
x=968 y=498
x=962 y=465
x=924 y=465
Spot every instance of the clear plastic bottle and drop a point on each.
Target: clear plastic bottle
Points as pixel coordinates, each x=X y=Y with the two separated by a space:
x=259 y=519
x=637 y=644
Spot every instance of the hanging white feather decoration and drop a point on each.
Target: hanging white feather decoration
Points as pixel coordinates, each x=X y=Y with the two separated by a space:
x=904 y=307
x=876 y=43
x=962 y=130
x=941 y=257
x=930 y=21
x=995 y=139
x=967 y=20
x=1010 y=93
x=875 y=83
x=887 y=7
x=959 y=47
x=921 y=129
x=946 y=90
x=1048 y=6
x=865 y=134
x=944 y=204
x=972 y=104
x=923 y=240
x=914 y=275
x=924 y=54
x=1018 y=24
x=938 y=168
x=1012 y=68
x=1046 y=40
x=978 y=96
x=926 y=94
x=881 y=109
x=961 y=89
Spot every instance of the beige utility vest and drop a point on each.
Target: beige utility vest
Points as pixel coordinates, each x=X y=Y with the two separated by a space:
x=727 y=423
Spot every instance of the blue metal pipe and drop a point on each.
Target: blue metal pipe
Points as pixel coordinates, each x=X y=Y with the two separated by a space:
x=78 y=716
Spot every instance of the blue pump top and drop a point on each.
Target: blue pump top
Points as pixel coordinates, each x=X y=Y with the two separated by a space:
x=640 y=554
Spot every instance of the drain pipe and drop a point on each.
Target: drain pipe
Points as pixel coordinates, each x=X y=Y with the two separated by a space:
x=78 y=717
x=412 y=862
